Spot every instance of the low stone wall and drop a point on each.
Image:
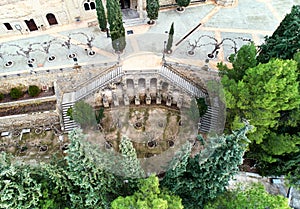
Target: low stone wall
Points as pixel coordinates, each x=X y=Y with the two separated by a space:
x=17 y=122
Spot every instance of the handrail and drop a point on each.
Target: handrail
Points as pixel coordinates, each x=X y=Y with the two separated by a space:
x=168 y=66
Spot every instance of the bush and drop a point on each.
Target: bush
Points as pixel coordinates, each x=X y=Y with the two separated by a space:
x=1 y=96
x=34 y=91
x=16 y=93
x=183 y=3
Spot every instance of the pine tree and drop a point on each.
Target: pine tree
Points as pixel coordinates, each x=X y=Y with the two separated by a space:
x=265 y=91
x=130 y=164
x=117 y=30
x=84 y=114
x=200 y=179
x=18 y=185
x=285 y=41
x=170 y=39
x=101 y=15
x=87 y=171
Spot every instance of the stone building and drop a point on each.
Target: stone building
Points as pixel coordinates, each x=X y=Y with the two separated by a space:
x=25 y=16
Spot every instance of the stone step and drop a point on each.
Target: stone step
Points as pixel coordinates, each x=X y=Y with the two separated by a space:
x=134 y=22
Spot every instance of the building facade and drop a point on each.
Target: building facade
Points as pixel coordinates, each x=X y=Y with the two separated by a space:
x=25 y=16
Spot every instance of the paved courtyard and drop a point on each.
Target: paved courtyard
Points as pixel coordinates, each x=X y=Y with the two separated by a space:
x=246 y=20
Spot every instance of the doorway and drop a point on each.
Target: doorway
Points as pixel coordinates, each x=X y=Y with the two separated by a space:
x=31 y=25
x=125 y=4
x=51 y=19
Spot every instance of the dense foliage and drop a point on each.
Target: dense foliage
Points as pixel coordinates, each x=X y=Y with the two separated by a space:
x=19 y=188
x=84 y=114
x=117 y=30
x=183 y=3
x=34 y=90
x=264 y=91
x=81 y=180
x=1 y=96
x=285 y=41
x=16 y=93
x=203 y=177
x=148 y=196
x=101 y=15
x=88 y=175
x=268 y=96
x=130 y=165
x=248 y=196
x=152 y=9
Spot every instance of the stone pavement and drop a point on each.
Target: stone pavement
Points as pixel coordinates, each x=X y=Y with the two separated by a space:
x=248 y=19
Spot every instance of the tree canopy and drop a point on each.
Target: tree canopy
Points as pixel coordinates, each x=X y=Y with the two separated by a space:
x=101 y=16
x=264 y=91
x=152 y=9
x=84 y=114
x=183 y=3
x=203 y=177
x=131 y=167
x=117 y=30
x=148 y=196
x=248 y=196
x=285 y=41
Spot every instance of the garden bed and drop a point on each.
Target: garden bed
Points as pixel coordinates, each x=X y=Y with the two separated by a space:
x=27 y=108
x=26 y=96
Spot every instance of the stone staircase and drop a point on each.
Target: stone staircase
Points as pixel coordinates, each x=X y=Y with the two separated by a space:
x=134 y=22
x=182 y=81
x=84 y=90
x=69 y=125
x=210 y=120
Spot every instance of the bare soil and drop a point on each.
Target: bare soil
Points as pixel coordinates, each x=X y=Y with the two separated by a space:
x=27 y=108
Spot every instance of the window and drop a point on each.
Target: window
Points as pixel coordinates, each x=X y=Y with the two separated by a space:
x=8 y=26
x=89 y=5
x=86 y=6
x=93 y=6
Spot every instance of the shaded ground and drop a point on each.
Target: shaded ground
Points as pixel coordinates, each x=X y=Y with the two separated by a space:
x=37 y=146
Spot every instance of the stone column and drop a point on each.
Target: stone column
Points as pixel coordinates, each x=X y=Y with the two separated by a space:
x=140 y=9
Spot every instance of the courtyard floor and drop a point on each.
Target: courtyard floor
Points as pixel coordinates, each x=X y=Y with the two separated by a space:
x=246 y=20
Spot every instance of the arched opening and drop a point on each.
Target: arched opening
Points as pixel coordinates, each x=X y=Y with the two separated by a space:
x=125 y=4
x=92 y=5
x=51 y=19
x=86 y=6
x=89 y=5
x=153 y=83
x=31 y=25
x=165 y=86
x=142 y=83
x=129 y=83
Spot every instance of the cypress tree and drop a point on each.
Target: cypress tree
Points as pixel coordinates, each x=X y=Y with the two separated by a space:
x=101 y=15
x=117 y=30
x=152 y=10
x=170 y=39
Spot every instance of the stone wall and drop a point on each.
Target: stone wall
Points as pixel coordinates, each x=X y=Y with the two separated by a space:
x=15 y=12
x=65 y=12
x=11 y=123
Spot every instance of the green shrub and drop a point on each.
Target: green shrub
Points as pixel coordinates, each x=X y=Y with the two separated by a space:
x=16 y=93
x=34 y=91
x=1 y=96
